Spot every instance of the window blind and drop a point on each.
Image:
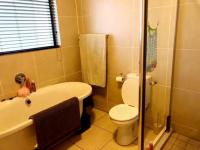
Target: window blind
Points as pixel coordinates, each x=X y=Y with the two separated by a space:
x=28 y=25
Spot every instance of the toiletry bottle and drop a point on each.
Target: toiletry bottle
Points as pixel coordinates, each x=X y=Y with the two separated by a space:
x=33 y=86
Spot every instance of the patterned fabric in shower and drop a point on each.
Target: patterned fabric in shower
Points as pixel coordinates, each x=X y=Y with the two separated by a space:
x=151 y=49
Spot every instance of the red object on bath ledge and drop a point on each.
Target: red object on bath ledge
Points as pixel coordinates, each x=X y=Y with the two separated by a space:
x=149 y=147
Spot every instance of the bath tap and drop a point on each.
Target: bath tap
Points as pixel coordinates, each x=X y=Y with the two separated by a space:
x=20 y=78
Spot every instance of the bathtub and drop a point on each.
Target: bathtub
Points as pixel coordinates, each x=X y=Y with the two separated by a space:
x=16 y=130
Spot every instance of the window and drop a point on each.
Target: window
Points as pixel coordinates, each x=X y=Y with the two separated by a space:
x=27 y=25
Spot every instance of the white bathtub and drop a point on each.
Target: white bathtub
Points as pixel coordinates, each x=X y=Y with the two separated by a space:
x=16 y=131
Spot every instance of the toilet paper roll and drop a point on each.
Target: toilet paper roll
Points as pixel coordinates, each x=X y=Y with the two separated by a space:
x=120 y=79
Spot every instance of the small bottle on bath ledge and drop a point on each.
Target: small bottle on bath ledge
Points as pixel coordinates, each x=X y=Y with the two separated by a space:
x=23 y=91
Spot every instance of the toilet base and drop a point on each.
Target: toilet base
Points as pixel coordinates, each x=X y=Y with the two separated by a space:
x=126 y=133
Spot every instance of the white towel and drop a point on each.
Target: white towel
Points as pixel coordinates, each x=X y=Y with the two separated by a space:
x=93 y=58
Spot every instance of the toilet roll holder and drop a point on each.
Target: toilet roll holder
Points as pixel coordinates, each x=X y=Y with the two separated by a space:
x=121 y=78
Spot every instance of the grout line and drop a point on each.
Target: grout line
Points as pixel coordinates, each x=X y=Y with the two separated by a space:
x=77 y=18
x=105 y=144
x=102 y=128
x=99 y=118
x=179 y=50
x=187 y=90
x=68 y=16
x=69 y=46
x=185 y=142
x=122 y=46
x=160 y=7
x=73 y=73
x=78 y=146
x=188 y=3
x=35 y=68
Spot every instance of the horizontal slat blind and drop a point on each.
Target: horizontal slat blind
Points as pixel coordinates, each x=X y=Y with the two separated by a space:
x=28 y=25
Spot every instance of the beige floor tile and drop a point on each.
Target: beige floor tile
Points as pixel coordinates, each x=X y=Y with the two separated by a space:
x=180 y=143
x=171 y=140
x=112 y=145
x=194 y=142
x=176 y=148
x=149 y=135
x=68 y=145
x=183 y=138
x=174 y=135
x=105 y=123
x=167 y=146
x=96 y=114
x=191 y=147
x=93 y=139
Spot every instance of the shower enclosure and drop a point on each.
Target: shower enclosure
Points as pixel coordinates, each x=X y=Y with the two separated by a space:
x=157 y=38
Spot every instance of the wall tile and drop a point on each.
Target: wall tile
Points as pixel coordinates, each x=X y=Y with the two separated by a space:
x=170 y=61
x=93 y=24
x=100 y=98
x=159 y=104
x=79 y=7
x=48 y=65
x=52 y=81
x=160 y=72
x=159 y=3
x=173 y=25
x=119 y=61
x=161 y=16
x=69 y=31
x=77 y=76
x=189 y=2
x=124 y=31
x=114 y=90
x=185 y=107
x=66 y=7
x=188 y=32
x=71 y=59
x=1 y=91
x=186 y=76
x=93 y=8
x=187 y=70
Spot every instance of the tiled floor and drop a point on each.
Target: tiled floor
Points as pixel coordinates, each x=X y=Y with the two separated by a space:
x=100 y=136
x=180 y=142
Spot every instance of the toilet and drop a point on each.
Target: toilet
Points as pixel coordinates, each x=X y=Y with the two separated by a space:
x=125 y=116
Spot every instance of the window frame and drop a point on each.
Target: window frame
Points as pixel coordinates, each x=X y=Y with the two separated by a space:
x=55 y=40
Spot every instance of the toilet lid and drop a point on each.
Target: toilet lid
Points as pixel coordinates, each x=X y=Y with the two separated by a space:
x=123 y=112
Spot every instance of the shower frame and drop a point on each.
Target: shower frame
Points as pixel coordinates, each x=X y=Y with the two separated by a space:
x=166 y=131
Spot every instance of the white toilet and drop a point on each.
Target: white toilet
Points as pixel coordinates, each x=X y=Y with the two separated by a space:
x=126 y=115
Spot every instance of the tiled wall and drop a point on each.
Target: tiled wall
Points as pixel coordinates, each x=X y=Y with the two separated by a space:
x=186 y=97
x=46 y=66
x=162 y=14
x=119 y=19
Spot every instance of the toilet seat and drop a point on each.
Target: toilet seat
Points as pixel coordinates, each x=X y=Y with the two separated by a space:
x=123 y=112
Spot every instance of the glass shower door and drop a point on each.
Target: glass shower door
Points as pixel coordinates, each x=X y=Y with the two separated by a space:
x=159 y=50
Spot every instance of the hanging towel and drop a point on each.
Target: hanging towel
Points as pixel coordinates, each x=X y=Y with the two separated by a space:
x=151 y=49
x=57 y=123
x=93 y=58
